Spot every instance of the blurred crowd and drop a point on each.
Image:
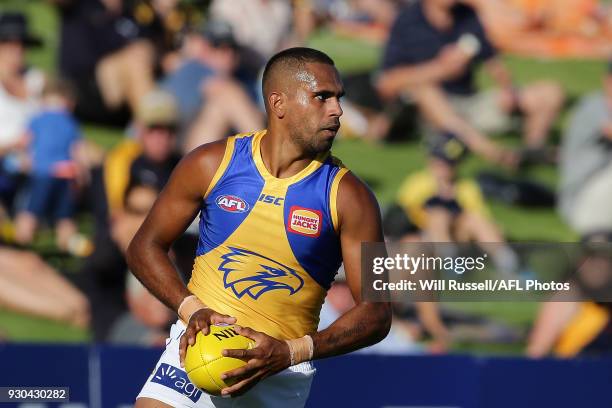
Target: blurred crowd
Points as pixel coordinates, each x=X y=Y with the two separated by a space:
x=174 y=74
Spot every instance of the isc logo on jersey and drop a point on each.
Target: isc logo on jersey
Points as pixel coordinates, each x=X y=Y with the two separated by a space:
x=304 y=221
x=231 y=203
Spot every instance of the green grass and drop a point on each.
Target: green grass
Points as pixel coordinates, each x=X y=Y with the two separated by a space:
x=382 y=166
x=350 y=55
x=19 y=328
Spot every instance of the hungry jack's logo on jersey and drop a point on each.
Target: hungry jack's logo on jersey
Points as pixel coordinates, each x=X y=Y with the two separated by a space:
x=304 y=221
x=249 y=273
x=232 y=203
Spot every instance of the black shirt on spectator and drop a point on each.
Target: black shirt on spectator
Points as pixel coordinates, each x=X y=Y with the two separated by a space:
x=89 y=32
x=413 y=40
x=145 y=172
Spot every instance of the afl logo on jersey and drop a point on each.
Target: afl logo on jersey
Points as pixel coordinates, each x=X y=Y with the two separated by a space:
x=231 y=203
x=304 y=221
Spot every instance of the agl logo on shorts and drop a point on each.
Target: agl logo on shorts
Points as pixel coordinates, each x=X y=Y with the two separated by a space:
x=176 y=379
x=231 y=203
x=304 y=221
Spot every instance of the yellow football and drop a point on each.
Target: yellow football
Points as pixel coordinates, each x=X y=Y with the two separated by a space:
x=204 y=362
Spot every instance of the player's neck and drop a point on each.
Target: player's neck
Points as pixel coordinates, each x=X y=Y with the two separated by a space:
x=282 y=157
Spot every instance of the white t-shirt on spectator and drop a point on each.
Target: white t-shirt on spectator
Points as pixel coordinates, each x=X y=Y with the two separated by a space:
x=15 y=113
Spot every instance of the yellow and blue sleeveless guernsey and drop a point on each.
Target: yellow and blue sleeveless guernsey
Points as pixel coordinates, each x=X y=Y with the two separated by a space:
x=268 y=248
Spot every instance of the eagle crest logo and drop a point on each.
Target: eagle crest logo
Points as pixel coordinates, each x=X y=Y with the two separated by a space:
x=249 y=273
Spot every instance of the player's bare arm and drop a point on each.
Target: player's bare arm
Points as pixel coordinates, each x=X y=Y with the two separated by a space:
x=365 y=324
x=175 y=208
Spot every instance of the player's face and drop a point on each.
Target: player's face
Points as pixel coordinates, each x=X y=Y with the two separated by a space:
x=314 y=110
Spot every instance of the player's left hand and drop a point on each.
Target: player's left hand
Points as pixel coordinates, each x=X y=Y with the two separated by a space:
x=268 y=357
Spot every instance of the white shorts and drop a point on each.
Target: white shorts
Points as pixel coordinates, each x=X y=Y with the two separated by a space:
x=483 y=111
x=169 y=384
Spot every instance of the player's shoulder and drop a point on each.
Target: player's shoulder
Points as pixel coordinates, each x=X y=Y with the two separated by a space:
x=354 y=197
x=196 y=170
x=210 y=160
x=357 y=208
x=349 y=183
x=217 y=154
x=208 y=156
x=352 y=187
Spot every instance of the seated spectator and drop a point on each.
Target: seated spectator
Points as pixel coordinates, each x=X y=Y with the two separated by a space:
x=448 y=209
x=559 y=15
x=145 y=323
x=211 y=103
x=150 y=157
x=20 y=88
x=147 y=319
x=53 y=139
x=261 y=27
x=146 y=160
x=29 y=285
x=568 y=329
x=367 y=20
x=579 y=322
x=432 y=54
x=437 y=189
x=586 y=163
x=548 y=28
x=108 y=49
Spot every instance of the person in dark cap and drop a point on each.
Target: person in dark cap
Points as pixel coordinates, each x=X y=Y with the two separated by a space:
x=14 y=27
x=210 y=100
x=435 y=193
x=20 y=89
x=148 y=160
x=446 y=208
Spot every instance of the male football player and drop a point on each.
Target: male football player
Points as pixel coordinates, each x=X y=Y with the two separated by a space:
x=278 y=215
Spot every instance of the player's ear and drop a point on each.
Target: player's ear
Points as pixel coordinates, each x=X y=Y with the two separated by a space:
x=277 y=102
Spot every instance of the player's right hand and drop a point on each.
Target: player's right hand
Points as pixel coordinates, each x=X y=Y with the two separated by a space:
x=200 y=321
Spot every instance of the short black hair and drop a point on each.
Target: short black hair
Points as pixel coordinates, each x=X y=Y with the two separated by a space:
x=294 y=59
